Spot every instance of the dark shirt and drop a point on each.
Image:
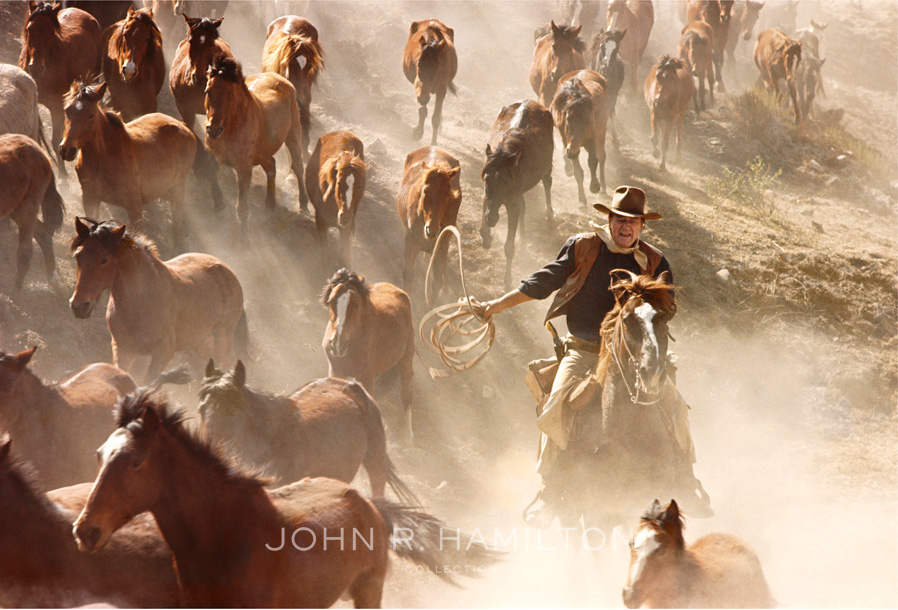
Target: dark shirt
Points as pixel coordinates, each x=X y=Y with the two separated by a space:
x=589 y=306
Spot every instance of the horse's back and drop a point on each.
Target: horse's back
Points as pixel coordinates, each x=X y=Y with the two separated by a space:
x=25 y=173
x=335 y=142
x=97 y=386
x=292 y=24
x=277 y=97
x=530 y=125
x=734 y=577
x=207 y=293
x=18 y=102
x=165 y=149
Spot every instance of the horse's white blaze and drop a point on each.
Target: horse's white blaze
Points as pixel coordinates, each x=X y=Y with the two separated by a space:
x=302 y=61
x=518 y=117
x=646 y=313
x=645 y=543
x=129 y=68
x=113 y=444
x=342 y=306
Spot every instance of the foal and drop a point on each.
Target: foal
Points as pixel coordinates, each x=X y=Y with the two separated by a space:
x=429 y=62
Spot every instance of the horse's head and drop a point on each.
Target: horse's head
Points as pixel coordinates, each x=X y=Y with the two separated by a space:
x=616 y=18
x=82 y=108
x=499 y=175
x=654 y=551
x=342 y=178
x=201 y=36
x=726 y=10
x=222 y=75
x=221 y=401
x=432 y=44
x=11 y=367
x=565 y=42
x=138 y=35
x=609 y=49
x=41 y=29
x=789 y=51
x=572 y=109
x=752 y=12
x=346 y=297
x=437 y=195
x=96 y=248
x=817 y=27
x=666 y=75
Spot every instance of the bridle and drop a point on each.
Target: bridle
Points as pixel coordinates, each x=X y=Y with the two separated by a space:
x=620 y=337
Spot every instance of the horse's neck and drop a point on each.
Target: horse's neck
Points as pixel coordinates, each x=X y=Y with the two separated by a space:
x=108 y=140
x=37 y=536
x=32 y=405
x=139 y=280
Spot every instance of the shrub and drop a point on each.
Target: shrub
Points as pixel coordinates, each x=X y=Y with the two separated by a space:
x=746 y=187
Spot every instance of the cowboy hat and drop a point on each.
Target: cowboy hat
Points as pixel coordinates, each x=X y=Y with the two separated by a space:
x=628 y=201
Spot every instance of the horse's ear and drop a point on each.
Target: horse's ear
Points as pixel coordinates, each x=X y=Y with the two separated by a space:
x=81 y=228
x=671 y=513
x=452 y=173
x=621 y=35
x=57 y=6
x=554 y=27
x=130 y=10
x=210 y=367
x=822 y=61
x=150 y=12
x=119 y=232
x=664 y=277
x=217 y=23
x=240 y=374
x=5 y=446
x=489 y=150
x=101 y=89
x=21 y=360
x=150 y=420
x=414 y=27
x=451 y=33
x=576 y=31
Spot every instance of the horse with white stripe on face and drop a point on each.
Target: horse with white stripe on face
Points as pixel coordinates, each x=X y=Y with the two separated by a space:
x=717 y=571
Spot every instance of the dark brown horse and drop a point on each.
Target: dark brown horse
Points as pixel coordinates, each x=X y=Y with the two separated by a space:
x=197 y=300
x=605 y=49
x=777 y=57
x=807 y=82
x=558 y=51
x=429 y=62
x=247 y=122
x=292 y=50
x=715 y=13
x=696 y=48
x=636 y=18
x=335 y=183
x=428 y=202
x=40 y=565
x=742 y=25
x=27 y=188
x=106 y=12
x=236 y=545
x=668 y=91
x=133 y=63
x=327 y=428
x=60 y=46
x=580 y=110
x=370 y=332
x=518 y=157
x=128 y=165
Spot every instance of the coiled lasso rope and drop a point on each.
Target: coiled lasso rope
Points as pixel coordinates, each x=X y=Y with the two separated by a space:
x=452 y=321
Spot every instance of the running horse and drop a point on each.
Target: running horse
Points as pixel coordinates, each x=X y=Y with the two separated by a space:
x=745 y=16
x=716 y=571
x=60 y=46
x=777 y=57
x=247 y=122
x=429 y=62
x=133 y=63
x=558 y=51
x=668 y=90
x=636 y=18
x=292 y=50
x=605 y=49
x=716 y=13
x=696 y=48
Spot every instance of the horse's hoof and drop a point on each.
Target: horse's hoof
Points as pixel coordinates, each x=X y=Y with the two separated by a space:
x=417 y=134
x=594 y=187
x=657 y=154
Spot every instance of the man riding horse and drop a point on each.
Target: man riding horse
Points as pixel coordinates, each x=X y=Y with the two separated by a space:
x=582 y=276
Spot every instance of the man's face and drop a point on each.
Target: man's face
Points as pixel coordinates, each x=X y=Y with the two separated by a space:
x=625 y=230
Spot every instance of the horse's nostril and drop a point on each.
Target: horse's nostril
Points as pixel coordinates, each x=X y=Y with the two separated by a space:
x=88 y=536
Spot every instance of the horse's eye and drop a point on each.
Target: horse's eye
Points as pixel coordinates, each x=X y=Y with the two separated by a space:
x=104 y=261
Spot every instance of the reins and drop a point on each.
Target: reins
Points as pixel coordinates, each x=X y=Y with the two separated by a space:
x=619 y=332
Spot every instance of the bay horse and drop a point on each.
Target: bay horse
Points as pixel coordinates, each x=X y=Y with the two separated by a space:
x=41 y=567
x=428 y=202
x=636 y=17
x=716 y=571
x=607 y=62
x=229 y=536
x=429 y=62
x=247 y=122
x=580 y=110
x=777 y=58
x=518 y=156
x=715 y=13
x=696 y=48
x=27 y=187
x=128 y=165
x=369 y=333
x=327 y=428
x=292 y=50
x=668 y=91
x=557 y=52
x=133 y=63
x=335 y=183
x=197 y=300
x=60 y=46
x=745 y=16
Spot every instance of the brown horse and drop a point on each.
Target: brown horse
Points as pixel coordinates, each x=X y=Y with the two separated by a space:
x=247 y=122
x=777 y=57
x=197 y=301
x=128 y=165
x=696 y=48
x=133 y=63
x=715 y=13
x=370 y=333
x=26 y=188
x=335 y=182
x=236 y=545
x=716 y=571
x=557 y=52
x=429 y=62
x=668 y=91
x=428 y=202
x=518 y=156
x=745 y=16
x=580 y=110
x=292 y=50
x=327 y=428
x=636 y=17
x=60 y=46
x=41 y=567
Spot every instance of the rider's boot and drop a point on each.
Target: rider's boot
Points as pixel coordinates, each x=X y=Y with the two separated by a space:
x=542 y=510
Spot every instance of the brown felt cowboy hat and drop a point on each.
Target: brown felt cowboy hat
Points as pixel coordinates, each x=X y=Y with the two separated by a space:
x=628 y=201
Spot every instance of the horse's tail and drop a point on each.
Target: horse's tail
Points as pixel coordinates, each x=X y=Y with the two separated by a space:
x=42 y=138
x=177 y=376
x=423 y=539
x=52 y=207
x=452 y=88
x=243 y=343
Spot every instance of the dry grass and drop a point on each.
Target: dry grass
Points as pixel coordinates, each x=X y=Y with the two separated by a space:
x=747 y=188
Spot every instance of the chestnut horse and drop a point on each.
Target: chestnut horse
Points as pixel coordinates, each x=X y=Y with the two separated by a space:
x=777 y=57
x=128 y=165
x=229 y=535
x=696 y=48
x=197 y=301
x=292 y=50
x=369 y=333
x=715 y=13
x=742 y=25
x=326 y=428
x=429 y=62
x=716 y=571
x=133 y=63
x=607 y=62
x=636 y=18
x=41 y=567
x=26 y=188
x=60 y=46
x=428 y=202
x=335 y=183
x=247 y=122
x=558 y=51
x=668 y=91
x=518 y=156
x=580 y=110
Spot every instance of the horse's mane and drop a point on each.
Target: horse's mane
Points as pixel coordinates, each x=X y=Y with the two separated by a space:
x=228 y=68
x=655 y=513
x=693 y=36
x=669 y=62
x=505 y=152
x=571 y=96
x=144 y=18
x=356 y=163
x=289 y=46
x=206 y=26
x=103 y=232
x=564 y=31
x=44 y=9
x=85 y=91
x=345 y=276
x=128 y=414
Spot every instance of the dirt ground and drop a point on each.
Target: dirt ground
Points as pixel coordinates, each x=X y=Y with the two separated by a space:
x=790 y=365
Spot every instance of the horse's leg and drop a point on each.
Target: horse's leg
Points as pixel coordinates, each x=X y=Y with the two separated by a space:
x=346 y=244
x=367 y=588
x=204 y=164
x=23 y=250
x=680 y=123
x=412 y=250
x=613 y=120
x=791 y=86
x=57 y=120
x=578 y=177
x=178 y=221
x=440 y=267
x=295 y=147
x=597 y=160
x=437 y=119
x=666 y=128
x=406 y=375
x=90 y=202
x=122 y=358
x=269 y=166
x=655 y=151
x=44 y=239
x=244 y=180
x=547 y=190
x=158 y=361
x=321 y=229
x=514 y=212
x=700 y=96
x=422 y=114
